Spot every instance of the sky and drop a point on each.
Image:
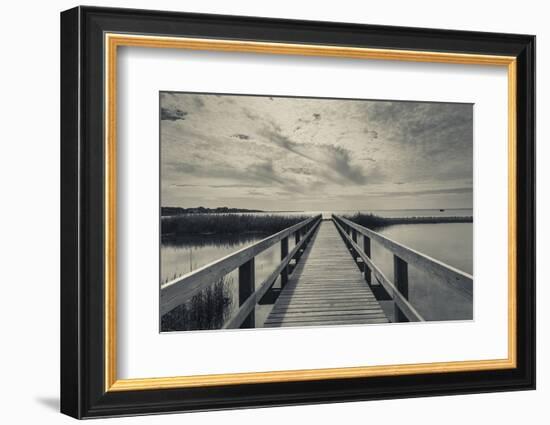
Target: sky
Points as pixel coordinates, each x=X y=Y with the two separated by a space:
x=310 y=154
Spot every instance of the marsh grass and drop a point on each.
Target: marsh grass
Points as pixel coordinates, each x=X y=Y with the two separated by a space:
x=374 y=222
x=210 y=308
x=206 y=310
x=197 y=224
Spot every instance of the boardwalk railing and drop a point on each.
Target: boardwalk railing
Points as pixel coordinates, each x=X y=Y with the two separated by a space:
x=402 y=257
x=180 y=290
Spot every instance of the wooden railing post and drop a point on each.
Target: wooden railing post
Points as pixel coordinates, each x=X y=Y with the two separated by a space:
x=347 y=230
x=366 y=250
x=297 y=238
x=247 y=284
x=401 y=281
x=284 y=253
x=352 y=249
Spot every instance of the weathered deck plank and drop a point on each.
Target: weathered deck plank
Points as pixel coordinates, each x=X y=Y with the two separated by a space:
x=326 y=288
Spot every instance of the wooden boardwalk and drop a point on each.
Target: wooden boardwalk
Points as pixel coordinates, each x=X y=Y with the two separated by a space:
x=327 y=287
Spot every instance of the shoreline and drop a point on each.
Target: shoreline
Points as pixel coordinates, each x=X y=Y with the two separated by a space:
x=375 y=222
x=211 y=225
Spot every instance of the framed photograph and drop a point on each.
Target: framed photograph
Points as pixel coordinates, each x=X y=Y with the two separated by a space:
x=261 y=212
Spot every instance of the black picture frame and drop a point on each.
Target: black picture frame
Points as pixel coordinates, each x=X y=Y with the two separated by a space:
x=83 y=392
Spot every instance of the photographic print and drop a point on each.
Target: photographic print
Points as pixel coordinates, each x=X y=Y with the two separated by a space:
x=292 y=211
x=340 y=226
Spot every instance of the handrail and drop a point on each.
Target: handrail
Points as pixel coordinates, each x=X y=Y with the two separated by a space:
x=402 y=303
x=458 y=279
x=179 y=290
x=247 y=307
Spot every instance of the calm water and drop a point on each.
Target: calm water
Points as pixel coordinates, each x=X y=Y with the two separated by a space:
x=185 y=255
x=451 y=243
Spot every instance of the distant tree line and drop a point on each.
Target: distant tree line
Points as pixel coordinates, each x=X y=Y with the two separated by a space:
x=168 y=211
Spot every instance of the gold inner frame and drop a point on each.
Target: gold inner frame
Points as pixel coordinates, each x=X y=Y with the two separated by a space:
x=113 y=41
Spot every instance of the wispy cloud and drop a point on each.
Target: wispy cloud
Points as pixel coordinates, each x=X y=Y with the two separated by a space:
x=172 y=114
x=218 y=149
x=340 y=160
x=241 y=136
x=299 y=170
x=225 y=186
x=333 y=157
x=264 y=171
x=285 y=142
x=427 y=192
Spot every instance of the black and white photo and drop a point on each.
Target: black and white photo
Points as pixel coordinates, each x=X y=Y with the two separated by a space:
x=290 y=212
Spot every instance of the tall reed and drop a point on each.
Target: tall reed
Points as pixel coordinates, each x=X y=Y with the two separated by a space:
x=206 y=310
x=196 y=224
x=375 y=222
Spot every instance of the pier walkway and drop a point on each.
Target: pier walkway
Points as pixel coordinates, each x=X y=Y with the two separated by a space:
x=326 y=288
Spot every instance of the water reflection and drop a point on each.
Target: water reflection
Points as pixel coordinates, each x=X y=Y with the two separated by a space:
x=451 y=243
x=183 y=255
